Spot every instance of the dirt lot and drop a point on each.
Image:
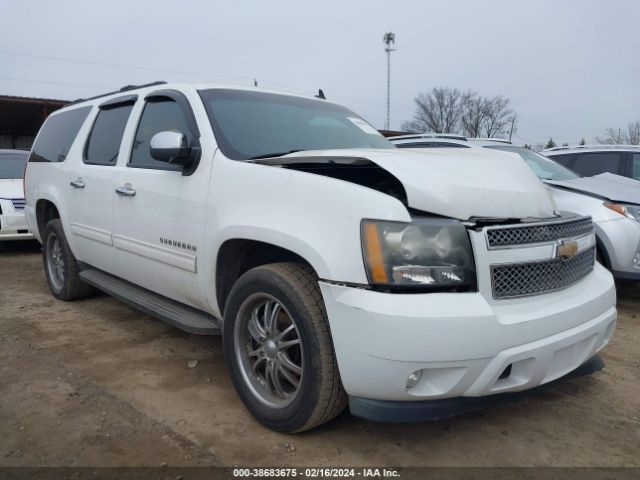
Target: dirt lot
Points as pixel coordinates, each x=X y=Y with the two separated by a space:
x=95 y=382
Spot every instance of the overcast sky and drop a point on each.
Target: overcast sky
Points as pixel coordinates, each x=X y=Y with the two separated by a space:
x=570 y=67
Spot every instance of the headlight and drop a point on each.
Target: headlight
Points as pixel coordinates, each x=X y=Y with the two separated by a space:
x=434 y=253
x=631 y=211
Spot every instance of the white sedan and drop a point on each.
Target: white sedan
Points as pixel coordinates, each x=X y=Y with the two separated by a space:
x=13 y=225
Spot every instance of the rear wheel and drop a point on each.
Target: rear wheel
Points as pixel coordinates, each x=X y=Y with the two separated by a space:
x=278 y=348
x=60 y=266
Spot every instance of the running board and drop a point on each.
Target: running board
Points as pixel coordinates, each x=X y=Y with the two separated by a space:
x=174 y=313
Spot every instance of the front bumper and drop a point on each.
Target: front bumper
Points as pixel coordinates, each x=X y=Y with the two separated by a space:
x=433 y=410
x=463 y=344
x=13 y=226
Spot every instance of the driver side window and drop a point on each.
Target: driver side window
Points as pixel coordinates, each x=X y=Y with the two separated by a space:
x=160 y=114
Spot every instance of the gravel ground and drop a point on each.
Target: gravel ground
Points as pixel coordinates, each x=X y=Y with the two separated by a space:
x=96 y=383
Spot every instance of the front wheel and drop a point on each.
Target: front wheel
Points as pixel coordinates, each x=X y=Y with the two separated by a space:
x=278 y=348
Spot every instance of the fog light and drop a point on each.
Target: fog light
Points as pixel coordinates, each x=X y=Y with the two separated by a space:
x=414 y=378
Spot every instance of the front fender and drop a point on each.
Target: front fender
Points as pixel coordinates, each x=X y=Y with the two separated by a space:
x=313 y=216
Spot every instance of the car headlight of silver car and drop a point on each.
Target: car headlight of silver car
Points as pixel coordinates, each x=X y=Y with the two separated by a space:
x=428 y=253
x=628 y=210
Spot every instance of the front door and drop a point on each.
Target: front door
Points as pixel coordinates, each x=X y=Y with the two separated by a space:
x=159 y=211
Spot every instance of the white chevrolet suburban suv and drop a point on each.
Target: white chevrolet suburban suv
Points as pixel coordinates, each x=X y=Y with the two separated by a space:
x=338 y=268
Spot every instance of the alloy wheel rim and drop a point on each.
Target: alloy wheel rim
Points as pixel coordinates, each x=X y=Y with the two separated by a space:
x=269 y=350
x=55 y=262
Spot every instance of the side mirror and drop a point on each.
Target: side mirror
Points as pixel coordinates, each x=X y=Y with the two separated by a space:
x=171 y=147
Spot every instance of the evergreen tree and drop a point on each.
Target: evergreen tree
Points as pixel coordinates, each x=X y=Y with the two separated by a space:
x=583 y=142
x=550 y=143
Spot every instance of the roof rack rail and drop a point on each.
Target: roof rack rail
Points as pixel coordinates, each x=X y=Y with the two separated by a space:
x=126 y=88
x=417 y=136
x=491 y=139
x=603 y=146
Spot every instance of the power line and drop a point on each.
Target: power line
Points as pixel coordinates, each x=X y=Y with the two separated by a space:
x=251 y=80
x=54 y=82
x=117 y=65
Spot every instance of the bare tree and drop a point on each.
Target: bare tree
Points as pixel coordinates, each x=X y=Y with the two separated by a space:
x=633 y=133
x=437 y=111
x=449 y=110
x=618 y=136
x=474 y=111
x=498 y=116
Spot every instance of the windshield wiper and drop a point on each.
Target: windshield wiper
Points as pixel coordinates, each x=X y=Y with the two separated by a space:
x=277 y=154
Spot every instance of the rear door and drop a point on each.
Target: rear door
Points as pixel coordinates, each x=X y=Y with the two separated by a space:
x=160 y=208
x=91 y=185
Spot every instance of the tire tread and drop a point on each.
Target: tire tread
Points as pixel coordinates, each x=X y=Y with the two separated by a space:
x=333 y=397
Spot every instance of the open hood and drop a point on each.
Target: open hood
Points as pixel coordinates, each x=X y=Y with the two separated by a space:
x=606 y=185
x=457 y=183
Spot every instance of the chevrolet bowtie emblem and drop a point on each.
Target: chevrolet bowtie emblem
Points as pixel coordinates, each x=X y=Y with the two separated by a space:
x=566 y=249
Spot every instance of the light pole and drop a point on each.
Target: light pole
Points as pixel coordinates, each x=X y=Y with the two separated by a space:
x=390 y=43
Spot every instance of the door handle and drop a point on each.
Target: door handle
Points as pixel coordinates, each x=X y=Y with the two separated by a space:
x=77 y=183
x=126 y=190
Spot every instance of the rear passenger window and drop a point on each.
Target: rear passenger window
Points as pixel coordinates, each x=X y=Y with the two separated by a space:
x=104 y=140
x=57 y=135
x=589 y=164
x=160 y=114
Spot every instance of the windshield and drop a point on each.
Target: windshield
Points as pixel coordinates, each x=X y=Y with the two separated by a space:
x=543 y=167
x=12 y=164
x=255 y=124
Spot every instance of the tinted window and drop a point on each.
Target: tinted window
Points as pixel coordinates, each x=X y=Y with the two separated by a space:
x=251 y=124
x=159 y=115
x=636 y=166
x=565 y=160
x=12 y=164
x=589 y=164
x=57 y=135
x=106 y=135
x=544 y=168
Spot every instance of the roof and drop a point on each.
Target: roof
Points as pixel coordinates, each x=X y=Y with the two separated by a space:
x=589 y=148
x=143 y=89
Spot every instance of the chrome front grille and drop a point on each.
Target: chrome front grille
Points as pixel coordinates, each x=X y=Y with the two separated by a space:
x=502 y=237
x=542 y=276
x=18 y=203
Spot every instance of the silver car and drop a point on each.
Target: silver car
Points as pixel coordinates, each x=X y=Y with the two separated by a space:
x=612 y=201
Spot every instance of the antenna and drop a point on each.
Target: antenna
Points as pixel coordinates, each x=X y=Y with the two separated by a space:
x=320 y=95
x=389 y=40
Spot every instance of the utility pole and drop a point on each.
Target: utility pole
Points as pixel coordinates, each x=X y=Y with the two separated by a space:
x=390 y=42
x=513 y=122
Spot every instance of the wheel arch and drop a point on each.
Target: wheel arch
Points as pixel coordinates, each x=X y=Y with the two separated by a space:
x=239 y=255
x=46 y=211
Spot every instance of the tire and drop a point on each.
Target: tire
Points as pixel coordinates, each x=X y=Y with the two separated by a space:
x=282 y=405
x=60 y=266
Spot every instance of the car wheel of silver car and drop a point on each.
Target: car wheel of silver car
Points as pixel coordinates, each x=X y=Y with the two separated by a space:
x=60 y=266
x=278 y=348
